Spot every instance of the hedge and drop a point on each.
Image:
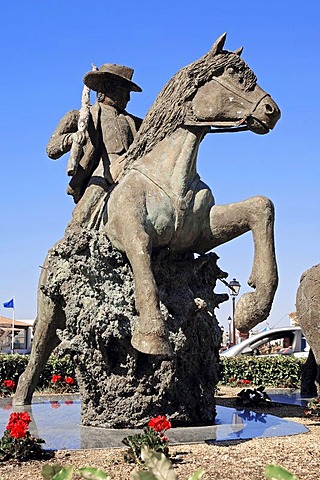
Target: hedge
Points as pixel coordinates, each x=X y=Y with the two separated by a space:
x=12 y=366
x=273 y=371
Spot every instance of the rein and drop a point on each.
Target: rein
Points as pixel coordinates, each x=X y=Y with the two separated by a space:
x=228 y=127
x=231 y=129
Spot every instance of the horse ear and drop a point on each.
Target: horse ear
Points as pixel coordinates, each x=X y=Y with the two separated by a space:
x=238 y=51
x=218 y=44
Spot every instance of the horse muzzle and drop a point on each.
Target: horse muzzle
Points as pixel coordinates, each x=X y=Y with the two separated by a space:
x=264 y=116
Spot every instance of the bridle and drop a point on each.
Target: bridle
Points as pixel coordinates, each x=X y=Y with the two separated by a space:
x=229 y=126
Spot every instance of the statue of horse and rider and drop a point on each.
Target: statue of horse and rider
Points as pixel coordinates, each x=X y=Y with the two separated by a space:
x=153 y=198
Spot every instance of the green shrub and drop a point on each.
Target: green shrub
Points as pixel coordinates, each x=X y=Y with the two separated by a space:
x=273 y=371
x=12 y=366
x=56 y=366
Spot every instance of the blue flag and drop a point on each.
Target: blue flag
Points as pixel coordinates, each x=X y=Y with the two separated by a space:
x=9 y=304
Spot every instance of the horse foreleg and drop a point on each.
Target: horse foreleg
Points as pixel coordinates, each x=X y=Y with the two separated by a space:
x=150 y=334
x=230 y=221
x=50 y=317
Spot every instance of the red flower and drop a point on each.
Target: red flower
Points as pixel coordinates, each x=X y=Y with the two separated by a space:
x=245 y=382
x=56 y=378
x=232 y=380
x=68 y=402
x=18 y=424
x=9 y=384
x=17 y=417
x=19 y=429
x=69 y=380
x=55 y=404
x=25 y=417
x=160 y=423
x=12 y=419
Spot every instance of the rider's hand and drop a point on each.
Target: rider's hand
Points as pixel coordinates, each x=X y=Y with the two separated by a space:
x=78 y=137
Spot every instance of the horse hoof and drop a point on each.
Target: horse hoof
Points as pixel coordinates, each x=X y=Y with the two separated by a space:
x=251 y=309
x=151 y=344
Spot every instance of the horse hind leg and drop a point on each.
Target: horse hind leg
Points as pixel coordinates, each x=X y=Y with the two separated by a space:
x=50 y=318
x=230 y=221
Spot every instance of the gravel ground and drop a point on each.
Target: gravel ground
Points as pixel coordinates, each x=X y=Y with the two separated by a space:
x=245 y=459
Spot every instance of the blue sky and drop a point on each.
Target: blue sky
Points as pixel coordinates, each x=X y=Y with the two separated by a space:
x=48 y=46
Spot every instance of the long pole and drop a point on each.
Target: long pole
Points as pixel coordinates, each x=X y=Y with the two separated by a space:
x=84 y=115
x=234 y=340
x=12 y=339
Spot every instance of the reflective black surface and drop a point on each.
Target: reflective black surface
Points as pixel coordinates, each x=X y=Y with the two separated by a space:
x=58 y=423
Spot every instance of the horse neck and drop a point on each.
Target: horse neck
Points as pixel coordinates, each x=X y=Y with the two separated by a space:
x=172 y=162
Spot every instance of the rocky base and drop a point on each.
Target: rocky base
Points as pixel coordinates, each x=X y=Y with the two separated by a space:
x=119 y=386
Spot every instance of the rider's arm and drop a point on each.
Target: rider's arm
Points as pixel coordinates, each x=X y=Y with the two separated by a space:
x=61 y=140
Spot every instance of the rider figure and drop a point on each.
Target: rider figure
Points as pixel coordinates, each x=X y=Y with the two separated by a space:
x=110 y=132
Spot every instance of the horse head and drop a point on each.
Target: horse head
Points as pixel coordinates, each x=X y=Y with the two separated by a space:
x=230 y=96
x=218 y=90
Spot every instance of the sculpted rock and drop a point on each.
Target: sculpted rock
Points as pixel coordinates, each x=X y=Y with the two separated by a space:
x=119 y=386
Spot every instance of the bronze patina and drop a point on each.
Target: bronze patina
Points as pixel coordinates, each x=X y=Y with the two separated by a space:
x=126 y=270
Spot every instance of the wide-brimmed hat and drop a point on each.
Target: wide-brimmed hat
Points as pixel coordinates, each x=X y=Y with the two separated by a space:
x=95 y=79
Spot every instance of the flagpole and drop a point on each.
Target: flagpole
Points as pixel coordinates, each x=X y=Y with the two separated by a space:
x=12 y=339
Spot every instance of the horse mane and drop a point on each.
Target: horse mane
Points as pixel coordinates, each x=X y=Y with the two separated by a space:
x=168 y=111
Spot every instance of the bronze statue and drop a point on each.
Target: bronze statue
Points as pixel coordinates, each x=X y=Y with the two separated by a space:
x=159 y=202
x=110 y=131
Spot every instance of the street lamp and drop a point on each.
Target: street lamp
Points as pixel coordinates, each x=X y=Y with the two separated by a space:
x=234 y=288
x=229 y=320
x=223 y=336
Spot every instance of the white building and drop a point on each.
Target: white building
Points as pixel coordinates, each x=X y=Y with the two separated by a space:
x=22 y=335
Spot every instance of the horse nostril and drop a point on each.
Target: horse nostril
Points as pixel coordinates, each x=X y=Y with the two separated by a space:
x=269 y=109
